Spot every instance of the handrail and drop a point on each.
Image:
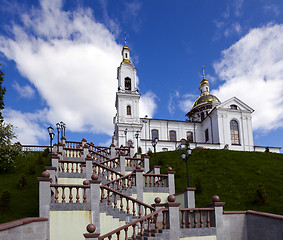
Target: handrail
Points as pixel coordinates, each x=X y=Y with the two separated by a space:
x=101 y=155
x=105 y=169
x=123 y=179
x=195 y=217
x=148 y=217
x=111 y=160
x=78 y=166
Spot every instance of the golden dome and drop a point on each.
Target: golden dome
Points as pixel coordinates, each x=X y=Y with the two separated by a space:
x=204 y=81
x=205 y=99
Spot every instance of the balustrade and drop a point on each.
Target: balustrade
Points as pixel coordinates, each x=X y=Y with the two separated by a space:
x=71 y=166
x=112 y=163
x=105 y=172
x=195 y=217
x=133 y=162
x=64 y=193
x=33 y=148
x=98 y=156
x=72 y=144
x=123 y=183
x=155 y=180
x=72 y=152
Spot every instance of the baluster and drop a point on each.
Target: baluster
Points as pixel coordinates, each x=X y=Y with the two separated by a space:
x=78 y=195
x=156 y=223
x=201 y=219
x=102 y=195
x=189 y=219
x=62 y=167
x=183 y=219
x=112 y=178
x=128 y=208
x=158 y=183
x=149 y=181
x=115 y=200
x=164 y=220
x=148 y=227
x=145 y=180
x=208 y=219
x=195 y=220
x=67 y=167
x=71 y=195
x=126 y=233
x=118 y=235
x=139 y=210
x=162 y=183
x=77 y=167
x=142 y=230
x=108 y=198
x=110 y=237
x=123 y=186
x=134 y=231
x=63 y=195
x=72 y=167
x=121 y=204
x=56 y=195
x=134 y=209
x=118 y=184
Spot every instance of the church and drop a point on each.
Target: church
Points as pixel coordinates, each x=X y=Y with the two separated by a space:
x=210 y=123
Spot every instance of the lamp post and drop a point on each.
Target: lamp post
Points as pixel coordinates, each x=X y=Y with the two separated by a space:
x=58 y=130
x=154 y=142
x=185 y=156
x=137 y=137
x=63 y=127
x=51 y=135
x=125 y=132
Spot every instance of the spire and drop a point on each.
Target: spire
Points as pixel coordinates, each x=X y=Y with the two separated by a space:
x=203 y=75
x=125 y=39
x=204 y=85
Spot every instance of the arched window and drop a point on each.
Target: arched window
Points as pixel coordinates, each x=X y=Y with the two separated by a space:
x=202 y=116
x=128 y=84
x=172 y=135
x=190 y=136
x=154 y=133
x=129 y=112
x=234 y=107
x=206 y=135
x=234 y=129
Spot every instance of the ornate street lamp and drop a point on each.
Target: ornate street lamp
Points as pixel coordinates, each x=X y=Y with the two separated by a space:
x=185 y=156
x=154 y=142
x=58 y=130
x=63 y=127
x=125 y=132
x=137 y=137
x=51 y=135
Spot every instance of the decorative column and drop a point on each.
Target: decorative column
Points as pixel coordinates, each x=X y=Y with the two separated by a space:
x=91 y=235
x=139 y=182
x=171 y=180
x=112 y=151
x=218 y=217
x=88 y=167
x=44 y=194
x=173 y=217
x=189 y=198
x=146 y=163
x=95 y=200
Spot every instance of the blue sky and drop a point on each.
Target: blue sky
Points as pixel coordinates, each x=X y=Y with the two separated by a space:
x=60 y=61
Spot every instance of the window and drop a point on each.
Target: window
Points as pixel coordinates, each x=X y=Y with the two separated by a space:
x=202 y=116
x=128 y=84
x=129 y=112
x=234 y=129
x=154 y=133
x=234 y=107
x=206 y=135
x=190 y=136
x=172 y=136
x=126 y=55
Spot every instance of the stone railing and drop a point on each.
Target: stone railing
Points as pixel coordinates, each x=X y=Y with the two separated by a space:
x=123 y=202
x=123 y=183
x=105 y=172
x=66 y=193
x=73 y=144
x=123 y=151
x=105 y=151
x=72 y=152
x=99 y=157
x=70 y=166
x=155 y=180
x=133 y=162
x=33 y=148
x=112 y=163
x=196 y=217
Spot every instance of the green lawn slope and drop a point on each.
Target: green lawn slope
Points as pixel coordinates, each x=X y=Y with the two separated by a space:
x=24 y=202
x=232 y=175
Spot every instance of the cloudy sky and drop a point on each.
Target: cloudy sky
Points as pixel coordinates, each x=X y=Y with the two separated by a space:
x=60 y=61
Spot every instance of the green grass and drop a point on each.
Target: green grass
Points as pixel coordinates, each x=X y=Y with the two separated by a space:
x=24 y=202
x=232 y=175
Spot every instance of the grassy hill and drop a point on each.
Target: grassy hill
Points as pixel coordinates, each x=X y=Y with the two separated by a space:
x=232 y=175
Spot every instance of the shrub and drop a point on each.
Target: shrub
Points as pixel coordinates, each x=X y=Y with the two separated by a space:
x=40 y=159
x=22 y=183
x=149 y=152
x=45 y=152
x=198 y=185
x=267 y=149
x=32 y=169
x=5 y=200
x=260 y=197
x=139 y=150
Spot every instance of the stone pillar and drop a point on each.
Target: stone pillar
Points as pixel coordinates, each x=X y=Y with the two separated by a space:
x=157 y=205
x=173 y=217
x=123 y=163
x=55 y=160
x=52 y=171
x=112 y=151
x=85 y=150
x=63 y=140
x=146 y=163
x=156 y=170
x=171 y=180
x=189 y=198
x=95 y=200
x=139 y=182
x=91 y=235
x=132 y=151
x=44 y=194
x=84 y=141
x=217 y=221
x=60 y=149
x=88 y=167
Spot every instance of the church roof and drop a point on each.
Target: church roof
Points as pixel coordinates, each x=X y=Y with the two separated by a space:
x=205 y=98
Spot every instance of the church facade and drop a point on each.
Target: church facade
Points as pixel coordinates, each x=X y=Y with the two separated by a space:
x=210 y=123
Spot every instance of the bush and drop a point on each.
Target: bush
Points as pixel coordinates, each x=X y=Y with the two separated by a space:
x=5 y=200
x=267 y=149
x=198 y=185
x=22 y=183
x=260 y=195
x=40 y=159
x=149 y=152
x=45 y=152
x=32 y=169
x=139 y=150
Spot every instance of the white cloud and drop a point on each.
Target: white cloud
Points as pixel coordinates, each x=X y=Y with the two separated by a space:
x=187 y=102
x=24 y=91
x=252 y=70
x=147 y=104
x=234 y=28
x=274 y=9
x=171 y=104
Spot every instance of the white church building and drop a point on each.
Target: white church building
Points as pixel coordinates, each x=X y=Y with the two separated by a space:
x=210 y=124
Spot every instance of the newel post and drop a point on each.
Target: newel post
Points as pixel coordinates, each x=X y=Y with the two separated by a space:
x=171 y=180
x=60 y=149
x=112 y=151
x=84 y=141
x=52 y=171
x=156 y=169
x=88 y=166
x=122 y=163
x=85 y=150
x=189 y=198
x=91 y=235
x=173 y=215
x=146 y=163
x=139 y=182
x=217 y=221
x=95 y=200
x=44 y=194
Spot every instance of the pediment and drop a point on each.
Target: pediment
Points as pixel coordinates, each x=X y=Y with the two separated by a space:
x=234 y=101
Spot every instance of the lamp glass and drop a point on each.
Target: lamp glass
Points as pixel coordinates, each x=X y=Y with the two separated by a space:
x=58 y=126
x=156 y=140
x=189 y=151
x=183 y=156
x=50 y=129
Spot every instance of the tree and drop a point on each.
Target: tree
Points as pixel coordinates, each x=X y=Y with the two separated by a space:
x=2 y=92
